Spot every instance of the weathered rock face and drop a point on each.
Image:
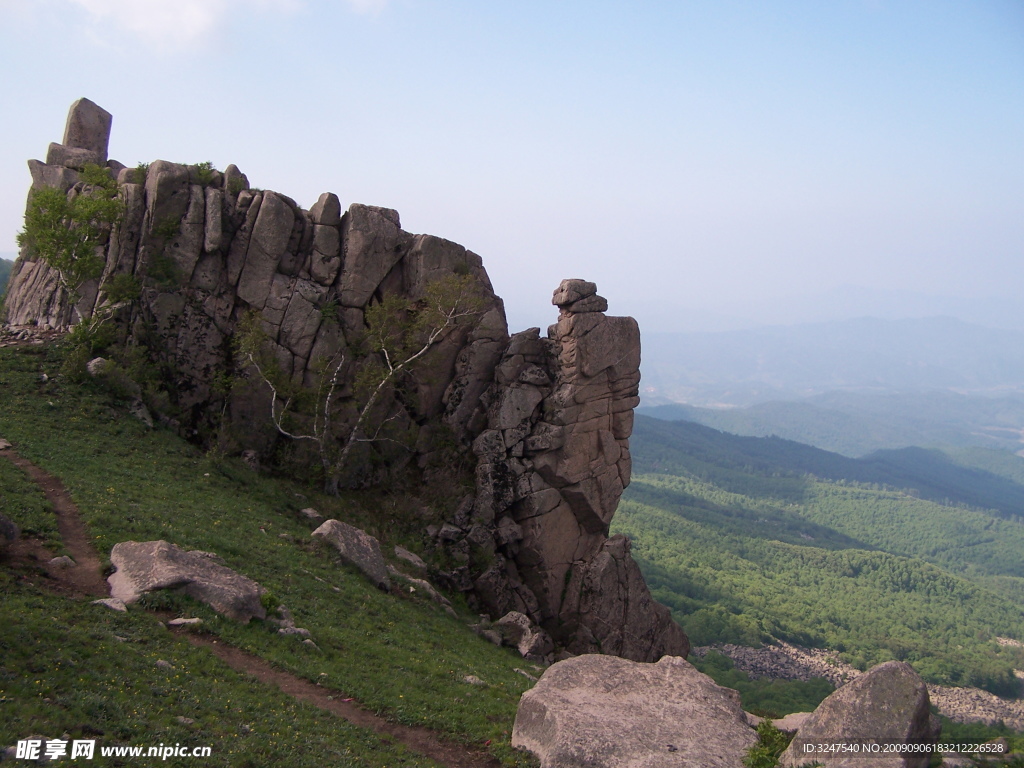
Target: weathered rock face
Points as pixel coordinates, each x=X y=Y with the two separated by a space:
x=207 y=250
x=547 y=418
x=605 y=712
x=145 y=566
x=888 y=704
x=553 y=463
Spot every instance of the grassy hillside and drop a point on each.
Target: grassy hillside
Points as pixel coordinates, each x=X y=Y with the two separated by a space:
x=745 y=542
x=67 y=666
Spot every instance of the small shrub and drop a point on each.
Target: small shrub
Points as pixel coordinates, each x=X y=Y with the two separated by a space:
x=66 y=230
x=771 y=743
x=236 y=185
x=167 y=228
x=122 y=287
x=92 y=335
x=162 y=271
x=140 y=173
x=329 y=311
x=99 y=176
x=73 y=368
x=270 y=601
x=203 y=173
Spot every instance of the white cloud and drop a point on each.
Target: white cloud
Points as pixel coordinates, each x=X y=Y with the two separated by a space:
x=175 y=23
x=169 y=24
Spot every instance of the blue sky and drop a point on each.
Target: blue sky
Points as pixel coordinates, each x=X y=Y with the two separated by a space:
x=695 y=159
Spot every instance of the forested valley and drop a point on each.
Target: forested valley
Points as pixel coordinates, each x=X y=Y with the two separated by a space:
x=912 y=555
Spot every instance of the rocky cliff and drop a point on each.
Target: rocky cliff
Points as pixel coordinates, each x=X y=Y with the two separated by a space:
x=548 y=419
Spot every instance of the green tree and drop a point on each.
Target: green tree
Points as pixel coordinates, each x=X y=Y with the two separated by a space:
x=399 y=334
x=67 y=230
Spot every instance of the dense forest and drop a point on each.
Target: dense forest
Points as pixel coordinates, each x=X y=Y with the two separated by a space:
x=749 y=539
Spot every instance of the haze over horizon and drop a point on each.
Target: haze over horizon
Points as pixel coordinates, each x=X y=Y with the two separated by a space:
x=708 y=165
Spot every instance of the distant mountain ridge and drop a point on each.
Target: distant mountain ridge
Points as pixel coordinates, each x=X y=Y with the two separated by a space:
x=979 y=478
x=843 y=302
x=743 y=368
x=855 y=423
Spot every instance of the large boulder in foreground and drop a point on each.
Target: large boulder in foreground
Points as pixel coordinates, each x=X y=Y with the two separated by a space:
x=145 y=566
x=888 y=704
x=606 y=712
x=357 y=548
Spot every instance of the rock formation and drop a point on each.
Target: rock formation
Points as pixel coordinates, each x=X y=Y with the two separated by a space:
x=206 y=250
x=548 y=419
x=553 y=462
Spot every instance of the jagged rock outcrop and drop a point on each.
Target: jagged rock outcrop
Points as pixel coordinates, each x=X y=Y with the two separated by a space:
x=207 y=249
x=548 y=419
x=605 y=712
x=553 y=463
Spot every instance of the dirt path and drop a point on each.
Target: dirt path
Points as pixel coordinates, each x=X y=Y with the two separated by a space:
x=421 y=740
x=85 y=578
x=86 y=575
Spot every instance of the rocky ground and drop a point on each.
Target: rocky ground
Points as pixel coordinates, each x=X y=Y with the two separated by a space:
x=791 y=662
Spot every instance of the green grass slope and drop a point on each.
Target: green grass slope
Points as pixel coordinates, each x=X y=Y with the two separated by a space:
x=744 y=543
x=67 y=666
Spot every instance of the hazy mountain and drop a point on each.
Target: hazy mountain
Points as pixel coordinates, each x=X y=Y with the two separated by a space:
x=854 y=423
x=843 y=303
x=741 y=368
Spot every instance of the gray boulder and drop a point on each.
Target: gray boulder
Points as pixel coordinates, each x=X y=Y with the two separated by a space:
x=146 y=566
x=97 y=366
x=518 y=631
x=573 y=290
x=88 y=128
x=357 y=548
x=411 y=558
x=607 y=712
x=71 y=157
x=888 y=704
